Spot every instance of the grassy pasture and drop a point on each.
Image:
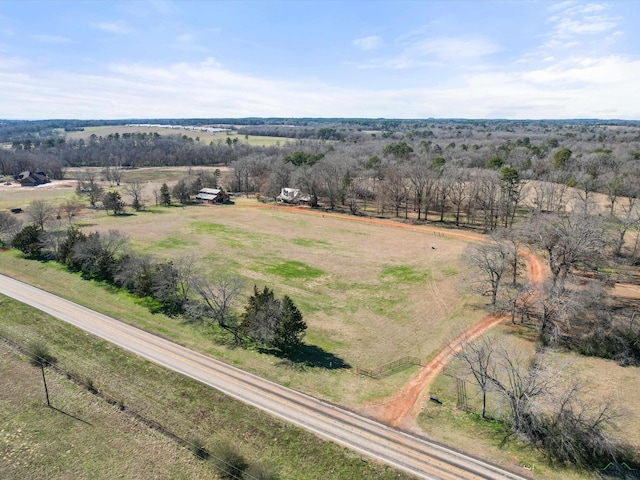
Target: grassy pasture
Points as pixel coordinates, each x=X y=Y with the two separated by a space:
x=380 y=287
x=369 y=293
x=205 y=137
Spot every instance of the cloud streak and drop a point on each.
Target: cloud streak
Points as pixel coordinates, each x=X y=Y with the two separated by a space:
x=583 y=87
x=118 y=28
x=368 y=43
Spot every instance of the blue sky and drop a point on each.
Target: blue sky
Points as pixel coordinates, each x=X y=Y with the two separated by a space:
x=304 y=58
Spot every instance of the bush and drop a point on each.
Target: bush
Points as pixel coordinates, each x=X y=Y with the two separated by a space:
x=39 y=355
x=198 y=449
x=229 y=462
x=28 y=241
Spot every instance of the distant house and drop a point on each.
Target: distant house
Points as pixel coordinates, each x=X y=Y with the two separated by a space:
x=288 y=195
x=32 y=179
x=293 y=195
x=212 y=195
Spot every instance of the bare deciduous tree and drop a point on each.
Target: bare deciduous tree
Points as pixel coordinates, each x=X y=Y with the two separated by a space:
x=69 y=209
x=220 y=297
x=9 y=227
x=136 y=191
x=490 y=260
x=88 y=185
x=477 y=359
x=39 y=212
x=567 y=240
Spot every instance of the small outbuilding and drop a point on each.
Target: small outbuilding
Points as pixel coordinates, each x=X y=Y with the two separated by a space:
x=32 y=179
x=212 y=195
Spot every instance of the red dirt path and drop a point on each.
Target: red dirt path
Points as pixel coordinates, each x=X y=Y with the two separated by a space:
x=403 y=408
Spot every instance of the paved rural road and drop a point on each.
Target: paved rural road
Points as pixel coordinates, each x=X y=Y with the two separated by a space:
x=415 y=455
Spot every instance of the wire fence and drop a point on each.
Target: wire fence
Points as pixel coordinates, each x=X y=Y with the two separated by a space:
x=388 y=368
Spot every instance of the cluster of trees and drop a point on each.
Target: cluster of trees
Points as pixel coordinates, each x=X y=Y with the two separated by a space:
x=479 y=174
x=90 y=187
x=541 y=405
x=568 y=309
x=174 y=288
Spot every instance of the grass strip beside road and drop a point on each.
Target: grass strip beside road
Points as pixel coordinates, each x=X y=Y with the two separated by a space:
x=185 y=407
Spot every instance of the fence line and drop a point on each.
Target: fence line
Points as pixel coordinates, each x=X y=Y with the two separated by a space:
x=388 y=368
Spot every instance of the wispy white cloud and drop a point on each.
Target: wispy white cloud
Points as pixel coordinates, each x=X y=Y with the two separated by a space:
x=582 y=19
x=185 y=38
x=368 y=43
x=119 y=27
x=453 y=48
x=163 y=7
x=582 y=87
x=52 y=39
x=435 y=52
x=442 y=50
x=189 y=42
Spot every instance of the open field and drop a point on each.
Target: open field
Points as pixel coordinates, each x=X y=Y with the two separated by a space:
x=205 y=137
x=89 y=438
x=370 y=293
x=39 y=443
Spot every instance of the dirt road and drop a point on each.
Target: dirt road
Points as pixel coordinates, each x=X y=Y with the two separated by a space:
x=403 y=408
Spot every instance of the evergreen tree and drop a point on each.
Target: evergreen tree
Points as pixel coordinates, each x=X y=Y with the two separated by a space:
x=272 y=322
x=113 y=201
x=292 y=327
x=165 y=195
x=29 y=240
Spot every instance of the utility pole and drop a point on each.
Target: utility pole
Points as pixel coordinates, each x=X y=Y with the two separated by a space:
x=44 y=380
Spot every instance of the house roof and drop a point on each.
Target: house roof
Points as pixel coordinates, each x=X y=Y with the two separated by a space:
x=206 y=196
x=288 y=193
x=35 y=178
x=212 y=191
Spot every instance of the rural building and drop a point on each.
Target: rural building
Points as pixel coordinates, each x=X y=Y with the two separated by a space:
x=293 y=195
x=212 y=195
x=32 y=179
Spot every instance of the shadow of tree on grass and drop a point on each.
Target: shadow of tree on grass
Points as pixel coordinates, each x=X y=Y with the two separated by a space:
x=310 y=356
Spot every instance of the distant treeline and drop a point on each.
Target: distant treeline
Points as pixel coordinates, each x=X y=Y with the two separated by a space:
x=11 y=130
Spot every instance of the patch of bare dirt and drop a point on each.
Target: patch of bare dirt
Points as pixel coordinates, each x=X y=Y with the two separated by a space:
x=626 y=290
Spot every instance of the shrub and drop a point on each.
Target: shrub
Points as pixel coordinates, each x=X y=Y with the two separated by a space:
x=198 y=449
x=229 y=462
x=39 y=354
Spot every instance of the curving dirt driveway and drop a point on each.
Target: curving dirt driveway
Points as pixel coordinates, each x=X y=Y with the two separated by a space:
x=403 y=408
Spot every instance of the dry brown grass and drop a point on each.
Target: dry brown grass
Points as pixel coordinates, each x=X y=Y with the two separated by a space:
x=41 y=443
x=352 y=307
x=381 y=291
